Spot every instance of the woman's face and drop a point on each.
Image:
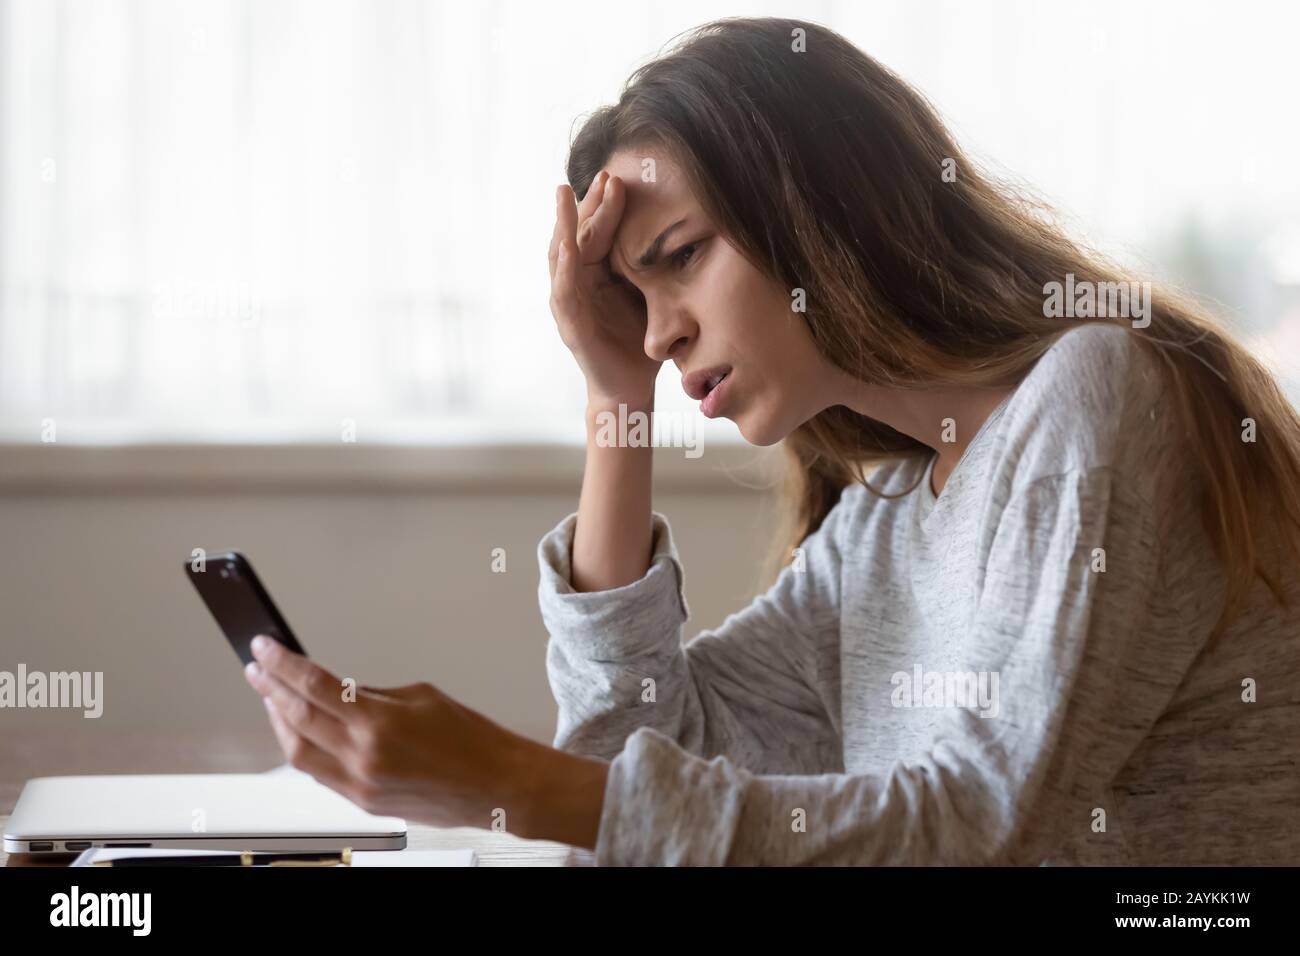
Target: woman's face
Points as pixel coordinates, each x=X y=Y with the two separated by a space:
x=711 y=312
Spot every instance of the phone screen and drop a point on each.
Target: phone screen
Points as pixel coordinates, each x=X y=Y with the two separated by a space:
x=241 y=605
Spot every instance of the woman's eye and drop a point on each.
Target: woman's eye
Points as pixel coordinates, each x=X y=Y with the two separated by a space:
x=684 y=254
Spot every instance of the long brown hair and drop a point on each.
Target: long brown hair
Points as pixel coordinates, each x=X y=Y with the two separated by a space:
x=823 y=168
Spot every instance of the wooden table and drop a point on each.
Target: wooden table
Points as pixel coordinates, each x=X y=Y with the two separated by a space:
x=85 y=751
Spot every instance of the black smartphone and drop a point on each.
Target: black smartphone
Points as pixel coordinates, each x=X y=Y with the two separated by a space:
x=241 y=605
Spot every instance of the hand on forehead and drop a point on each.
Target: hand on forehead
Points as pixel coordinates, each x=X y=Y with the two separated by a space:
x=655 y=198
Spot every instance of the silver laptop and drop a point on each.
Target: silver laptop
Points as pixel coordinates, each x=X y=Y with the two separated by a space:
x=282 y=809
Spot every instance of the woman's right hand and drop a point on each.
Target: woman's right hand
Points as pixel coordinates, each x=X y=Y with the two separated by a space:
x=602 y=322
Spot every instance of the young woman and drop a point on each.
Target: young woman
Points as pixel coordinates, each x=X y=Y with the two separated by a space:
x=1040 y=600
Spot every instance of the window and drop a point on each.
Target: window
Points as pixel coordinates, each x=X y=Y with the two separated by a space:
x=227 y=220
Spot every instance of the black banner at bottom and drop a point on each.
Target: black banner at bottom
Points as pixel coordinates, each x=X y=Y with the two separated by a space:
x=211 y=905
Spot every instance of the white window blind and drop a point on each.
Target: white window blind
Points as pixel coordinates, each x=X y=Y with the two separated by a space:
x=254 y=221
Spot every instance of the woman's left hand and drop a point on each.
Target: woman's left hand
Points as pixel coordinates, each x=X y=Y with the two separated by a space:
x=409 y=752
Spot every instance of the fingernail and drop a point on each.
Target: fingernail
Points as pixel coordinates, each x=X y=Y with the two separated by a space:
x=252 y=669
x=261 y=643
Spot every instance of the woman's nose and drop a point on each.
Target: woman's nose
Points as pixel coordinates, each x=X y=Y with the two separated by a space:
x=667 y=332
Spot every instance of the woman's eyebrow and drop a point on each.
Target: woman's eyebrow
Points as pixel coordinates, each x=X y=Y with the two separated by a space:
x=652 y=251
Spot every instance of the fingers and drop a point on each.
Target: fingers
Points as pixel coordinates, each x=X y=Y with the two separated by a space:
x=591 y=202
x=566 y=217
x=596 y=234
x=555 y=232
x=322 y=729
x=564 y=282
x=582 y=236
x=592 y=226
x=304 y=676
x=306 y=756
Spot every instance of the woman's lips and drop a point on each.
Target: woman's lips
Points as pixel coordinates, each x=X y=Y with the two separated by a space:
x=708 y=386
x=711 y=406
x=697 y=384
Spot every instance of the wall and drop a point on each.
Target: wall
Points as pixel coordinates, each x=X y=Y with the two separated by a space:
x=381 y=562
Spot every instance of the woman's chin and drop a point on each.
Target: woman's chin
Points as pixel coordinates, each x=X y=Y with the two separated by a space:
x=761 y=433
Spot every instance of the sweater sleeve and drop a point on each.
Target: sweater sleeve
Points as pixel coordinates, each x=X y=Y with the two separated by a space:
x=761 y=689
x=1079 y=689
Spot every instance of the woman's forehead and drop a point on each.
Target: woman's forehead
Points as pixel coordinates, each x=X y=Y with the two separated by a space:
x=656 y=198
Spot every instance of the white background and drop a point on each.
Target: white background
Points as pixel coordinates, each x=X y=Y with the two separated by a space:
x=225 y=220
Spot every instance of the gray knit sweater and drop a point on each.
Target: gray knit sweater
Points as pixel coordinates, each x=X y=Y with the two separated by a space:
x=1016 y=672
